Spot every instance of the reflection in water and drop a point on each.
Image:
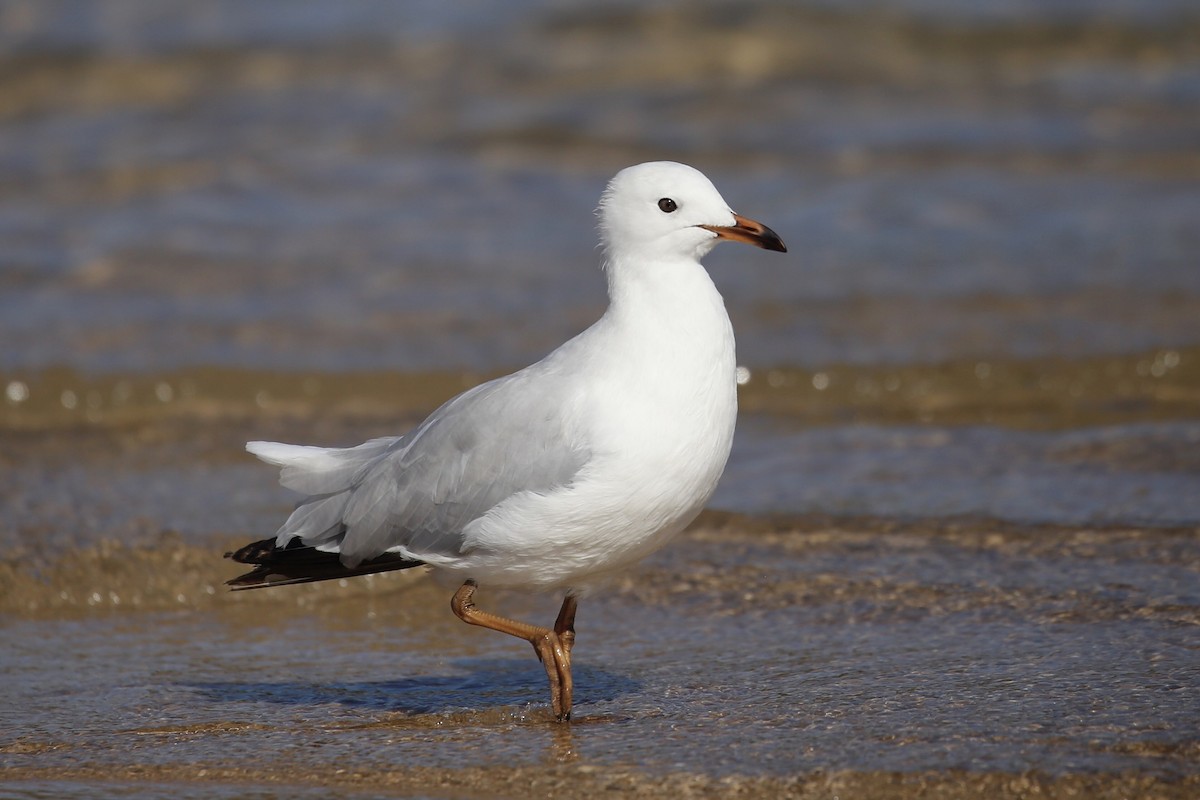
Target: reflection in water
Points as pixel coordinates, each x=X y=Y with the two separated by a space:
x=480 y=692
x=562 y=748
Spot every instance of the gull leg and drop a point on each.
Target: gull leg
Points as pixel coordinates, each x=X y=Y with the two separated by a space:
x=546 y=643
x=564 y=628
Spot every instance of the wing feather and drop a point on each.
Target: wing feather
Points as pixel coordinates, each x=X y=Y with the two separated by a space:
x=414 y=494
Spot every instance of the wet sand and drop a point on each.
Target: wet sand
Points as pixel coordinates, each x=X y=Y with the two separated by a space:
x=1161 y=384
x=581 y=781
x=762 y=653
x=796 y=658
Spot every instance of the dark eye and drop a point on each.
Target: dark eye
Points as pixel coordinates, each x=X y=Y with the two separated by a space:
x=667 y=205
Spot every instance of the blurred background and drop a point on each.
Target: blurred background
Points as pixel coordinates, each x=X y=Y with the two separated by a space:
x=992 y=211
x=349 y=211
x=971 y=389
x=367 y=185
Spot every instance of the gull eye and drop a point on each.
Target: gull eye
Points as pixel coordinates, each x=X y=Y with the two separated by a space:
x=667 y=205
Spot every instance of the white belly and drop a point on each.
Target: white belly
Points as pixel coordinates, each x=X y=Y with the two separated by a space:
x=658 y=472
x=657 y=410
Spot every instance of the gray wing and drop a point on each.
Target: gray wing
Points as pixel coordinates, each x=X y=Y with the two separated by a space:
x=418 y=491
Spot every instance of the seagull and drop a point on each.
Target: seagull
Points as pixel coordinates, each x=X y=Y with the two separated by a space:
x=560 y=475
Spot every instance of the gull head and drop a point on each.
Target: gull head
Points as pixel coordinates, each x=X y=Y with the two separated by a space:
x=663 y=211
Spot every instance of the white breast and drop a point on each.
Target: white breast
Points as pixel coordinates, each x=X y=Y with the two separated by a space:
x=659 y=405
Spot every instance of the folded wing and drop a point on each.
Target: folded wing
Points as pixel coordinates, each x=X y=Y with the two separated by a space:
x=413 y=494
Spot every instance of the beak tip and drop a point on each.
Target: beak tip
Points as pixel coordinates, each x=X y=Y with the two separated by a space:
x=768 y=239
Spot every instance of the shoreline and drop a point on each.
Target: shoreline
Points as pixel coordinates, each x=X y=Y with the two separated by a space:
x=168 y=572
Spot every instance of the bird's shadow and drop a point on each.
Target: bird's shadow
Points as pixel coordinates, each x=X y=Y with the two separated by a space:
x=478 y=684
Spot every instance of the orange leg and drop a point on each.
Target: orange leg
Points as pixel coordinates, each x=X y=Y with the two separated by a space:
x=564 y=626
x=553 y=647
x=564 y=629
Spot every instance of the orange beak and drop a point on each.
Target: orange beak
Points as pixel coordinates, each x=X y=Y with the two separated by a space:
x=747 y=230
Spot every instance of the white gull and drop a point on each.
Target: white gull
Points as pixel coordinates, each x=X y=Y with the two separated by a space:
x=565 y=472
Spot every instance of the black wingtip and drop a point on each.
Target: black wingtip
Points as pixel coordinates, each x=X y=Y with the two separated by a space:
x=254 y=553
x=297 y=562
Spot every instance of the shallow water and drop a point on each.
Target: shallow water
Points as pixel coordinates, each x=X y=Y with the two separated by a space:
x=887 y=652
x=966 y=484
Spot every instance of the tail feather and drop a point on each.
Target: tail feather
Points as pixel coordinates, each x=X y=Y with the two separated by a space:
x=299 y=563
x=320 y=470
